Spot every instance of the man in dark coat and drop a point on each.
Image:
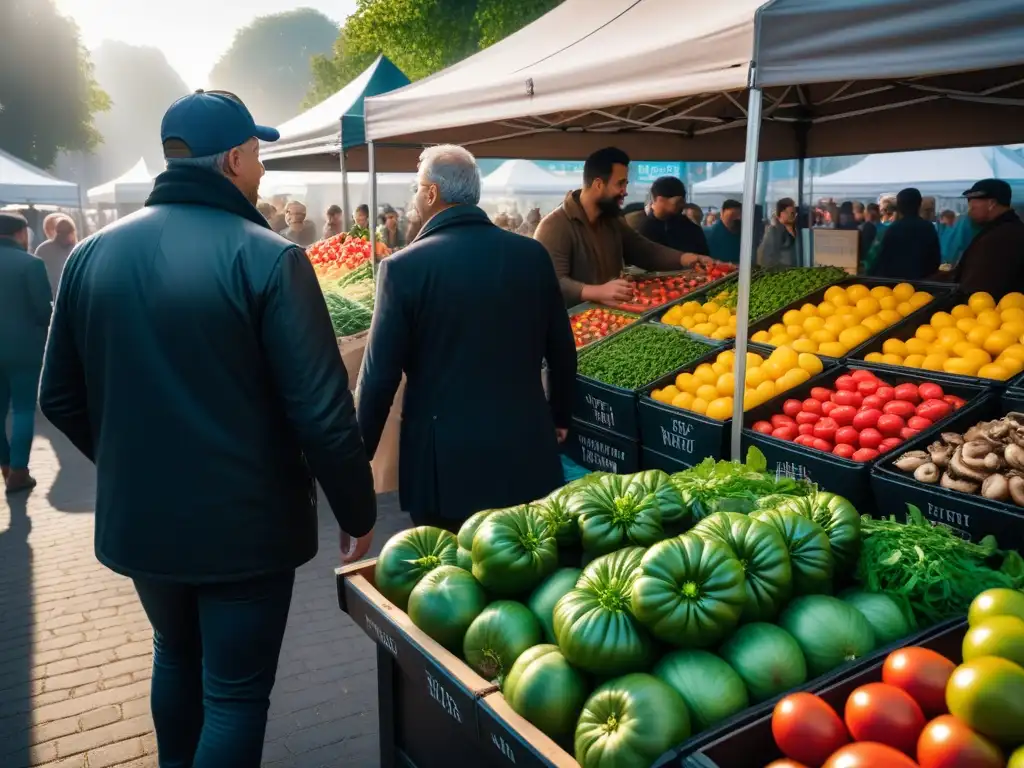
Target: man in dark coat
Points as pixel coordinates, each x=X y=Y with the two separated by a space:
x=994 y=261
x=468 y=312
x=910 y=248
x=192 y=358
x=665 y=223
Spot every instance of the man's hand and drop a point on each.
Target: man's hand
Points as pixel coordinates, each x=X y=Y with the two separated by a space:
x=689 y=259
x=561 y=434
x=613 y=292
x=355 y=549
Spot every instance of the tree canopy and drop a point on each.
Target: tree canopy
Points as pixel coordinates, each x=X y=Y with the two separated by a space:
x=419 y=36
x=48 y=94
x=268 y=64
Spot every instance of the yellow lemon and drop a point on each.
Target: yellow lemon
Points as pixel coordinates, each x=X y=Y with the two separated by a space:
x=978 y=334
x=685 y=382
x=700 y=317
x=791 y=378
x=719 y=408
x=754 y=360
x=989 y=318
x=888 y=302
x=961 y=348
x=832 y=349
x=966 y=323
x=761 y=337
x=894 y=347
x=881 y=292
x=926 y=333
x=809 y=310
x=1013 y=364
x=656 y=394
x=750 y=399
x=765 y=390
x=1013 y=327
x=961 y=366
x=793 y=317
x=699 y=405
x=892 y=359
x=832 y=291
x=683 y=400
x=720 y=368
x=725 y=384
x=721 y=317
x=785 y=357
x=849 y=321
x=916 y=346
x=815 y=323
x=981 y=301
x=728 y=357
x=711 y=307
x=724 y=332
x=688 y=322
x=1011 y=314
x=920 y=299
x=795 y=331
x=1015 y=350
x=858 y=334
x=805 y=345
x=934 y=361
x=705 y=374
x=903 y=291
x=874 y=357
x=704 y=329
x=980 y=355
x=875 y=323
x=753 y=377
x=835 y=324
x=913 y=361
x=824 y=335
x=707 y=392
x=868 y=306
x=810 y=363
x=1012 y=300
x=942 y=320
x=856 y=292
x=997 y=341
x=826 y=309
x=783 y=339
x=949 y=336
x=993 y=371
x=904 y=308
x=776 y=328
x=771 y=370
x=840 y=299
x=669 y=392
x=961 y=312
x=690 y=307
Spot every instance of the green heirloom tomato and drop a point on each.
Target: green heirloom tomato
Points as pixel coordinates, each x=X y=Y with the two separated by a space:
x=407 y=556
x=469 y=528
x=498 y=636
x=838 y=517
x=810 y=554
x=542 y=600
x=513 y=550
x=828 y=631
x=689 y=591
x=762 y=552
x=546 y=690
x=464 y=559
x=616 y=511
x=445 y=603
x=554 y=508
x=767 y=658
x=629 y=722
x=593 y=623
x=667 y=497
x=710 y=688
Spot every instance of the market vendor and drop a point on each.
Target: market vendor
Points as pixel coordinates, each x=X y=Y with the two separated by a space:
x=589 y=242
x=994 y=261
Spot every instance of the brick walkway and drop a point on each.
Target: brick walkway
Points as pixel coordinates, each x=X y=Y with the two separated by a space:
x=75 y=645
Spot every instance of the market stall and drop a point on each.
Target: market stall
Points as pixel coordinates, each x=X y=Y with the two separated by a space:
x=22 y=183
x=131 y=188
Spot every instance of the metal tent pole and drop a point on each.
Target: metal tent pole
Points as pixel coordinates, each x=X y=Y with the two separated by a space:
x=372 y=181
x=343 y=162
x=746 y=263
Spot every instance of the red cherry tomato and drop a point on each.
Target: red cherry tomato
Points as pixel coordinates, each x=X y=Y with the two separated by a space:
x=934 y=410
x=867 y=386
x=805 y=429
x=826 y=428
x=764 y=427
x=781 y=420
x=792 y=407
x=848 y=436
x=889 y=424
x=918 y=422
x=869 y=755
x=907 y=392
x=884 y=714
x=846 y=397
x=805 y=440
x=930 y=391
x=821 y=393
x=870 y=438
x=906 y=433
x=862 y=375
x=820 y=444
x=810 y=405
x=956 y=402
x=805 y=417
x=865 y=454
x=873 y=401
x=827 y=407
x=844 y=450
x=846 y=383
x=889 y=443
x=843 y=414
x=903 y=408
x=866 y=418
x=807 y=729
x=923 y=674
x=947 y=743
x=785 y=432
x=885 y=393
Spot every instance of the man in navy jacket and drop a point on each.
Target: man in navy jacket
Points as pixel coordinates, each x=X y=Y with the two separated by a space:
x=468 y=312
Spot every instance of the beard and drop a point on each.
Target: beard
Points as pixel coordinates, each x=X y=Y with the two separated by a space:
x=611 y=206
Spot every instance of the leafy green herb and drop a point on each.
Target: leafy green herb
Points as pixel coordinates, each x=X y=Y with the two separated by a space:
x=639 y=355
x=936 y=571
x=772 y=291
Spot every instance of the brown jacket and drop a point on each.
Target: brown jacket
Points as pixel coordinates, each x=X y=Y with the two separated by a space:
x=592 y=255
x=994 y=261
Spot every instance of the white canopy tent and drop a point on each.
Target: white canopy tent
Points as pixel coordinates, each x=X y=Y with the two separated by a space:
x=130 y=188
x=318 y=190
x=523 y=178
x=22 y=183
x=729 y=185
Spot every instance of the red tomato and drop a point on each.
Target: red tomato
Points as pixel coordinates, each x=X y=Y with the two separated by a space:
x=873 y=401
x=869 y=755
x=764 y=427
x=947 y=743
x=785 y=432
x=918 y=422
x=845 y=397
x=844 y=450
x=869 y=438
x=846 y=383
x=843 y=414
x=956 y=402
x=807 y=729
x=923 y=674
x=805 y=429
x=889 y=424
x=900 y=407
x=867 y=386
x=889 y=443
x=805 y=440
x=804 y=417
x=930 y=391
x=864 y=454
x=907 y=392
x=792 y=407
x=781 y=420
x=822 y=445
x=884 y=714
x=810 y=405
x=848 y=436
x=785 y=763
x=862 y=375
x=885 y=393
x=866 y=418
x=906 y=433
x=934 y=410
x=821 y=393
x=827 y=407
x=826 y=428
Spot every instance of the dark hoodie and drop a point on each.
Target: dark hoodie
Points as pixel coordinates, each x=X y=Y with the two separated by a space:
x=910 y=249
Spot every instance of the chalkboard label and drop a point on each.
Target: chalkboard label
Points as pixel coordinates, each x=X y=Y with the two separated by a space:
x=441 y=696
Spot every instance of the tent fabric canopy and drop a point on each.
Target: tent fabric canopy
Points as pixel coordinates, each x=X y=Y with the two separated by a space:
x=130 y=188
x=335 y=123
x=25 y=184
x=525 y=178
x=842 y=76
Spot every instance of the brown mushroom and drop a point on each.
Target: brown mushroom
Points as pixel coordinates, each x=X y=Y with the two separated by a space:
x=996 y=488
x=911 y=460
x=997 y=431
x=979 y=456
x=958 y=469
x=1016 y=418
x=927 y=473
x=974 y=433
x=1014 y=455
x=958 y=484
x=940 y=454
x=1016 y=484
x=951 y=438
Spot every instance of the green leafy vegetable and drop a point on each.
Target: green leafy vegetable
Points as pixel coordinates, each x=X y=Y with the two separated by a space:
x=772 y=291
x=639 y=355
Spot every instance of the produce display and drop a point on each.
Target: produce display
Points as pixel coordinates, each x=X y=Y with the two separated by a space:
x=708 y=389
x=986 y=460
x=335 y=256
x=845 y=318
x=980 y=338
x=775 y=290
x=350 y=300
x=597 y=322
x=639 y=355
x=861 y=416
x=708 y=319
x=655 y=290
x=926 y=712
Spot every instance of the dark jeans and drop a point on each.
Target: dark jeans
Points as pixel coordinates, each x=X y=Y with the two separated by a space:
x=215 y=651
x=18 y=388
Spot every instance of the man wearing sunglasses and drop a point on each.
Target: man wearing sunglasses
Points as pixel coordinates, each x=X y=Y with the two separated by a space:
x=191 y=357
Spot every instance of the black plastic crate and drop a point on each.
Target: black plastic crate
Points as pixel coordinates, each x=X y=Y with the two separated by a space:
x=746 y=740
x=714 y=285
x=650 y=459
x=591 y=305
x=971 y=516
x=600 y=450
x=939 y=292
x=833 y=473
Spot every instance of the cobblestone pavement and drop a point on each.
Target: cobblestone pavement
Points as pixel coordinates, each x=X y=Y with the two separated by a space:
x=75 y=645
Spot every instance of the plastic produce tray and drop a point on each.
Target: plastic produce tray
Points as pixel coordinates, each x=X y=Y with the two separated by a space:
x=971 y=516
x=600 y=450
x=590 y=305
x=833 y=473
x=714 y=284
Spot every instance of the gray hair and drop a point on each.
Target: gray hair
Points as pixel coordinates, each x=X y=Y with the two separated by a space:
x=453 y=169
x=213 y=163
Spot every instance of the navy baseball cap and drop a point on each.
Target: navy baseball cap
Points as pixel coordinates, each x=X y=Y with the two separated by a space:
x=207 y=123
x=991 y=189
